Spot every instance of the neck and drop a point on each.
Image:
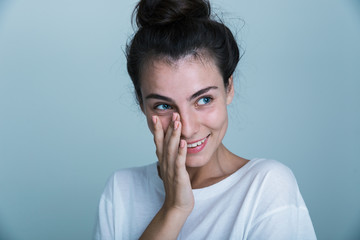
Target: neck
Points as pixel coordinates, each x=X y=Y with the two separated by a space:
x=222 y=164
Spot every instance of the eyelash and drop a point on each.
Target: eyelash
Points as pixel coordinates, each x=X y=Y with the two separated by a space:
x=206 y=103
x=165 y=107
x=162 y=104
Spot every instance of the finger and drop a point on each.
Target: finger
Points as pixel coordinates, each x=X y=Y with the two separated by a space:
x=168 y=132
x=158 y=137
x=182 y=153
x=166 y=164
x=173 y=143
x=170 y=129
x=176 y=117
x=181 y=163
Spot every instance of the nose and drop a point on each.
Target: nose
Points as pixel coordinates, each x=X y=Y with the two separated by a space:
x=190 y=124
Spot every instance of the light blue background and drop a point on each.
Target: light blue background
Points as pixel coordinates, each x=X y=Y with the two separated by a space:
x=68 y=118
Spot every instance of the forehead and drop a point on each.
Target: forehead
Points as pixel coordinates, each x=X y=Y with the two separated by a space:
x=184 y=76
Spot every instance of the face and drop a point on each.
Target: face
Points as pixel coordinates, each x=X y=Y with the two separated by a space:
x=193 y=88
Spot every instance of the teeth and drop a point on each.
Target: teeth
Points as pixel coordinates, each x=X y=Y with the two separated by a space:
x=196 y=144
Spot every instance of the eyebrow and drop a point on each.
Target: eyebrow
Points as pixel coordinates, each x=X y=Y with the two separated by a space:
x=160 y=97
x=202 y=91
x=195 y=95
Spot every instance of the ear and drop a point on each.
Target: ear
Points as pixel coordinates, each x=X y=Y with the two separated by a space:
x=230 y=91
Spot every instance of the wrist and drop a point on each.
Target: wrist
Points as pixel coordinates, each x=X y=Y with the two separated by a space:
x=175 y=212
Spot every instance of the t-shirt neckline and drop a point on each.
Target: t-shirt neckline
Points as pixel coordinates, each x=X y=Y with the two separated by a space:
x=206 y=192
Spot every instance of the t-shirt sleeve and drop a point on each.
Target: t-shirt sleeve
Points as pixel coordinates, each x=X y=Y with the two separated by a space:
x=104 y=228
x=281 y=213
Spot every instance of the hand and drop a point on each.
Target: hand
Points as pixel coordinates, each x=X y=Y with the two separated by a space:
x=179 y=199
x=171 y=153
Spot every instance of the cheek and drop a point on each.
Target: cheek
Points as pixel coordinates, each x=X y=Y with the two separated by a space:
x=165 y=122
x=217 y=119
x=150 y=124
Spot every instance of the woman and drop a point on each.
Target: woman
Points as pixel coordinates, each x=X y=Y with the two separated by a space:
x=181 y=62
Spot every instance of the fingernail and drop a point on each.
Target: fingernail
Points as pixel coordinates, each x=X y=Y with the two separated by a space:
x=176 y=125
x=154 y=119
x=182 y=143
x=173 y=116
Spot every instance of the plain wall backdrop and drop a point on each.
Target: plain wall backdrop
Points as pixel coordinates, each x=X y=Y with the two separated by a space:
x=68 y=117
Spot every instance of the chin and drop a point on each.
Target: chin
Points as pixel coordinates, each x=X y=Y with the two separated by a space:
x=195 y=162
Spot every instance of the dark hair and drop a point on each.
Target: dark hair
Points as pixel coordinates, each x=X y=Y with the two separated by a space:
x=173 y=29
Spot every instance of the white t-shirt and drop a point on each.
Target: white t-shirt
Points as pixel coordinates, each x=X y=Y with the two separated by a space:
x=259 y=201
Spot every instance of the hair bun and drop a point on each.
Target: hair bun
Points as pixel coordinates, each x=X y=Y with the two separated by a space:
x=159 y=12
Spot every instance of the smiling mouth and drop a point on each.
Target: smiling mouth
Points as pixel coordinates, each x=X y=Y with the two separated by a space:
x=198 y=143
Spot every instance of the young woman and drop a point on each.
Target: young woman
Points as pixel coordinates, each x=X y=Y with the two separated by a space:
x=181 y=62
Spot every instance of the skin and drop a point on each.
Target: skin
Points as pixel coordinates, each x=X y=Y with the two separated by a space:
x=186 y=101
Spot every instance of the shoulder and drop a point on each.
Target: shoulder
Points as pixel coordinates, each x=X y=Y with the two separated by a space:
x=274 y=182
x=132 y=173
x=273 y=170
x=127 y=179
x=277 y=202
x=265 y=165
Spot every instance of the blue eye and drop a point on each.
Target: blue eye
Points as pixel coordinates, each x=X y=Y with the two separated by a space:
x=204 y=100
x=163 y=107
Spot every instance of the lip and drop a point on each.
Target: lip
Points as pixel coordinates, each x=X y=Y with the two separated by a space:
x=197 y=140
x=197 y=148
